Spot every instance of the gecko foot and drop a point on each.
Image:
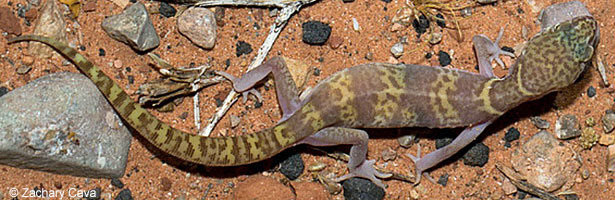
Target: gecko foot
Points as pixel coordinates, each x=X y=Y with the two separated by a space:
x=492 y=50
x=419 y=171
x=365 y=170
x=245 y=93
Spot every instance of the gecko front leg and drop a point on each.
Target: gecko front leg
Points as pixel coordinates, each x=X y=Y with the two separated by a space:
x=287 y=92
x=358 y=166
x=486 y=51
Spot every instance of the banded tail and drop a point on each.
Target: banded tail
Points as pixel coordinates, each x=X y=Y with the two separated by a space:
x=210 y=151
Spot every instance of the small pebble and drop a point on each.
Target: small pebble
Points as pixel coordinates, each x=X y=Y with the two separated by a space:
x=486 y=1
x=57 y=184
x=444 y=58
x=101 y=52
x=540 y=123
x=466 y=12
x=28 y=60
x=23 y=69
x=335 y=42
x=441 y=142
x=608 y=121
x=420 y=25
x=440 y=20
x=167 y=10
x=407 y=141
x=590 y=122
x=511 y=135
x=397 y=49
x=443 y=180
x=358 y=188
x=166 y=184
x=292 y=167
x=414 y=195
x=243 y=48
x=591 y=91
x=435 y=38
x=117 y=183
x=124 y=195
x=355 y=24
x=566 y=127
x=369 y=56
x=389 y=154
x=316 y=71
x=585 y=174
x=478 y=155
x=606 y=139
x=315 y=32
x=235 y=121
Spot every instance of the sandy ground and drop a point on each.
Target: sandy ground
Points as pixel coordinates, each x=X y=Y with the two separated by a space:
x=144 y=173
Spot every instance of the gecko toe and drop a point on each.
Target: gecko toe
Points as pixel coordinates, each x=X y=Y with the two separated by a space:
x=366 y=170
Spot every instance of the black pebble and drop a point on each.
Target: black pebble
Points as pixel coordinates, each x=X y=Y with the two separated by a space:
x=441 y=142
x=591 y=91
x=81 y=47
x=440 y=20
x=428 y=55
x=421 y=25
x=101 y=52
x=511 y=135
x=258 y=104
x=478 y=155
x=3 y=90
x=131 y=79
x=133 y=1
x=315 y=32
x=292 y=167
x=444 y=58
x=167 y=10
x=227 y=62
x=117 y=183
x=316 y=71
x=443 y=180
x=387 y=1
x=508 y=49
x=243 y=48
x=361 y=189
x=124 y=195
x=21 y=11
x=128 y=69
x=571 y=197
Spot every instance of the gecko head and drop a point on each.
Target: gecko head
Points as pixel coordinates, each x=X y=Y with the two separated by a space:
x=580 y=37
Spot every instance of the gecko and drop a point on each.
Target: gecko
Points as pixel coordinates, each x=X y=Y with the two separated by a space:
x=374 y=95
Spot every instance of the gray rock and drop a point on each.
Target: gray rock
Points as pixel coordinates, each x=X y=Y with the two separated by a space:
x=545 y=163
x=397 y=49
x=133 y=27
x=560 y=12
x=540 y=122
x=199 y=25
x=567 y=127
x=608 y=121
x=407 y=141
x=61 y=123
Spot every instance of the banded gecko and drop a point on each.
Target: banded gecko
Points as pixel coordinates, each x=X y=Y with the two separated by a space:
x=375 y=95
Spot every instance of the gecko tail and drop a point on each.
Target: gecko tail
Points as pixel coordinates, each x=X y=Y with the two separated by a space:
x=210 y=151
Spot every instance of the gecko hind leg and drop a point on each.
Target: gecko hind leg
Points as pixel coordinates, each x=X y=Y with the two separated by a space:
x=487 y=51
x=358 y=166
x=430 y=160
x=287 y=92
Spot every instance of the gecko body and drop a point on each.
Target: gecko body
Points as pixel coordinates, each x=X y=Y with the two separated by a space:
x=375 y=95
